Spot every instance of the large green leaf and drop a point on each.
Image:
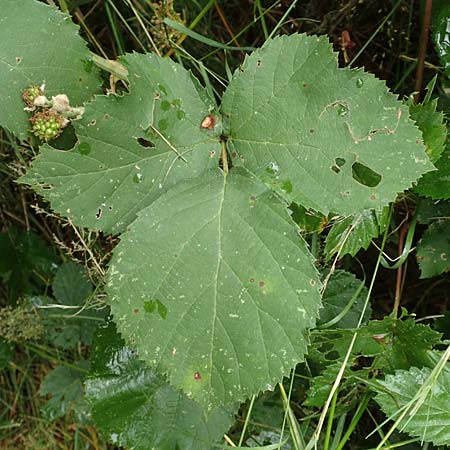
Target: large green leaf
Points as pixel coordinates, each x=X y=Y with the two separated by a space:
x=138 y=409
x=431 y=422
x=40 y=45
x=129 y=147
x=216 y=273
x=433 y=250
x=330 y=139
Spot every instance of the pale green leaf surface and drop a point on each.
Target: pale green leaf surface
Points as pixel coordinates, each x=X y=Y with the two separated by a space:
x=138 y=409
x=431 y=422
x=39 y=44
x=315 y=128
x=235 y=278
x=353 y=233
x=433 y=250
x=109 y=176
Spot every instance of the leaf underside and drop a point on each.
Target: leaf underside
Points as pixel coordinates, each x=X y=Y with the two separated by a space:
x=28 y=29
x=313 y=127
x=235 y=277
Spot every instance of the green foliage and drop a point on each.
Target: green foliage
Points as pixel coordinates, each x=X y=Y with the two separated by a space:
x=431 y=421
x=310 y=130
x=68 y=327
x=389 y=340
x=343 y=301
x=211 y=286
x=437 y=184
x=27 y=262
x=64 y=385
x=433 y=250
x=431 y=124
x=71 y=285
x=47 y=51
x=441 y=33
x=223 y=302
x=353 y=233
x=135 y=407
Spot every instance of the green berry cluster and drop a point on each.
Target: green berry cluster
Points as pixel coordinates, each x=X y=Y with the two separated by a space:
x=47 y=125
x=30 y=94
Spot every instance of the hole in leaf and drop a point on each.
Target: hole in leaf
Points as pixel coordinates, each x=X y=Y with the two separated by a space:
x=98 y=214
x=335 y=169
x=145 y=143
x=339 y=161
x=331 y=356
x=365 y=175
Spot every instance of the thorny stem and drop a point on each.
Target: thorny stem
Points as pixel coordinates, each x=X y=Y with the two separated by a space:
x=224 y=157
x=423 y=47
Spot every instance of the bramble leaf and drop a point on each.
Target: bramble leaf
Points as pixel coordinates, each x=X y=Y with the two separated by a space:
x=431 y=123
x=137 y=408
x=329 y=139
x=353 y=233
x=431 y=422
x=131 y=147
x=436 y=184
x=26 y=59
x=237 y=281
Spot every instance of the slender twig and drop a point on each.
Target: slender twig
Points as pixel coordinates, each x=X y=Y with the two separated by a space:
x=423 y=47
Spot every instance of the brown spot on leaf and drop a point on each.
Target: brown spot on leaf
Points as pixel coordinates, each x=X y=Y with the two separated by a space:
x=252 y=280
x=136 y=311
x=261 y=284
x=209 y=122
x=197 y=376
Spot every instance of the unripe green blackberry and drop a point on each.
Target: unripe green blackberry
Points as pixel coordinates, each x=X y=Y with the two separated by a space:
x=30 y=94
x=47 y=125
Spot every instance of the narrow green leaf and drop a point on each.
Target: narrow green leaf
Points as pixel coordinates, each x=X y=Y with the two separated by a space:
x=137 y=408
x=40 y=45
x=321 y=130
x=236 y=280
